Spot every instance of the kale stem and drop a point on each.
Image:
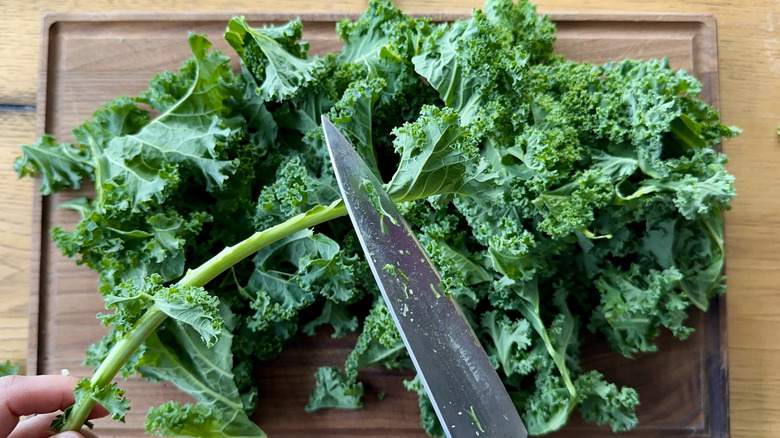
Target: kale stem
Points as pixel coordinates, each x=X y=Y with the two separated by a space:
x=118 y=355
x=153 y=317
x=234 y=254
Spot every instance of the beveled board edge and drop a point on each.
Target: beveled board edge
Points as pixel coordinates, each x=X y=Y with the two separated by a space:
x=705 y=59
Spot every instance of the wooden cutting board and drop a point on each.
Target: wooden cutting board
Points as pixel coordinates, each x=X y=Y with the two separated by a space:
x=89 y=59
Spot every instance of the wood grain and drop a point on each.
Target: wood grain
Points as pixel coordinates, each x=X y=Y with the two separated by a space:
x=87 y=58
x=749 y=55
x=15 y=244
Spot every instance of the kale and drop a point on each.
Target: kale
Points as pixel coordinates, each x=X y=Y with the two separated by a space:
x=555 y=198
x=8 y=369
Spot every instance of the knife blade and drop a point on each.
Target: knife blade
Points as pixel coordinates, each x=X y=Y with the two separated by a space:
x=465 y=390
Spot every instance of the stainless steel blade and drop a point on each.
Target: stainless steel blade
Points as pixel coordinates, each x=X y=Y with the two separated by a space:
x=467 y=393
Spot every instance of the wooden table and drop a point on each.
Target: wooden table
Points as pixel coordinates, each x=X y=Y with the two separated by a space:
x=749 y=41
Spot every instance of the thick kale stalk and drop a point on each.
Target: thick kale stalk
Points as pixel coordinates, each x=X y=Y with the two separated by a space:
x=154 y=315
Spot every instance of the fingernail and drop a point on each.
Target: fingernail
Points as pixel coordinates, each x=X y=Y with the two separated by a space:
x=69 y=434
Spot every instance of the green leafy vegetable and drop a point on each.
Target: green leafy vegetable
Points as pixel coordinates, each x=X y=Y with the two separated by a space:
x=555 y=198
x=334 y=390
x=8 y=369
x=274 y=56
x=60 y=166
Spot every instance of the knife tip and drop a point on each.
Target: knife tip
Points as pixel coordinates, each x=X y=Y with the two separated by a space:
x=332 y=134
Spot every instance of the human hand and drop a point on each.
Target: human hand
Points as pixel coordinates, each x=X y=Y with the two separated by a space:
x=44 y=395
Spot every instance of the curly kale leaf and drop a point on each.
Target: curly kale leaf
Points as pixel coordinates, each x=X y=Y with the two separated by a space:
x=353 y=115
x=379 y=343
x=304 y=270
x=604 y=403
x=111 y=397
x=66 y=165
x=383 y=40
x=193 y=306
x=335 y=315
x=695 y=248
x=276 y=59
x=186 y=134
x=278 y=297
x=140 y=246
x=468 y=61
x=139 y=224
x=60 y=165
x=463 y=270
x=634 y=305
x=176 y=354
x=382 y=43
x=334 y=389
x=530 y=349
x=177 y=419
x=698 y=186
x=295 y=190
x=144 y=166
x=129 y=301
x=437 y=158
x=509 y=349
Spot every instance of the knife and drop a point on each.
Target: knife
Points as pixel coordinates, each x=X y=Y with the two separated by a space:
x=466 y=392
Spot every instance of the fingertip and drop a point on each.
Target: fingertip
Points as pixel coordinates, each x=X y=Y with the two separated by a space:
x=68 y=434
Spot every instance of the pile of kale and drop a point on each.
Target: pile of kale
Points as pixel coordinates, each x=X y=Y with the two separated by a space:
x=555 y=198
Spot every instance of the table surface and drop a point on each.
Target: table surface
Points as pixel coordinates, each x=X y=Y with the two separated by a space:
x=749 y=57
